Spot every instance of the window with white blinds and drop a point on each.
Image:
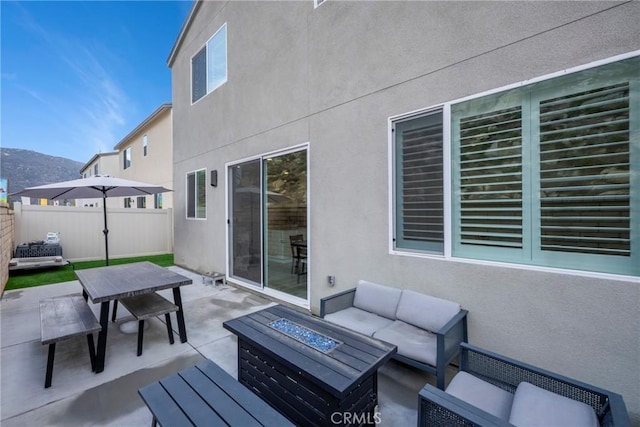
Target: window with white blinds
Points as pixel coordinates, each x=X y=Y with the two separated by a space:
x=419 y=183
x=549 y=174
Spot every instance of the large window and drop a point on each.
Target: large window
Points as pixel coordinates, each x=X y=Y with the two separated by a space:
x=196 y=194
x=209 y=65
x=546 y=174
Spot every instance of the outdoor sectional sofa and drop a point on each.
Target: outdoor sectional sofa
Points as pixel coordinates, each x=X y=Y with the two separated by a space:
x=427 y=330
x=493 y=390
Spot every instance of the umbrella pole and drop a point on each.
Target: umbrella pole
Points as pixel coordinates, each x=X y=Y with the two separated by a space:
x=106 y=230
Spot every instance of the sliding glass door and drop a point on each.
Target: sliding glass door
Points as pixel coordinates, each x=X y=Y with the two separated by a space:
x=246 y=212
x=268 y=221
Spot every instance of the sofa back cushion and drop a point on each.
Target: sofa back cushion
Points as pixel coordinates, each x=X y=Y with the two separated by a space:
x=425 y=311
x=375 y=298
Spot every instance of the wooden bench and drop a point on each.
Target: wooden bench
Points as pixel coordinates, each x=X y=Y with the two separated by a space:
x=205 y=395
x=63 y=318
x=146 y=306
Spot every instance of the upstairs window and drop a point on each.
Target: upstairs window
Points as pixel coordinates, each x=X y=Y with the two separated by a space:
x=126 y=158
x=144 y=145
x=209 y=65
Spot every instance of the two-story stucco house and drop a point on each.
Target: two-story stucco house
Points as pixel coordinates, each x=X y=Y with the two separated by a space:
x=146 y=155
x=482 y=152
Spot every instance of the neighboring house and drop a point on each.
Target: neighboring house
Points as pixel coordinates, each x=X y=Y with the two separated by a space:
x=483 y=152
x=100 y=164
x=146 y=155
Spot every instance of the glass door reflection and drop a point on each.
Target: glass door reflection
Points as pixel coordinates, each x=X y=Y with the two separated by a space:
x=285 y=237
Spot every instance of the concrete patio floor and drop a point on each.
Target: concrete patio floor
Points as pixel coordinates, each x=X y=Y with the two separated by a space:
x=79 y=397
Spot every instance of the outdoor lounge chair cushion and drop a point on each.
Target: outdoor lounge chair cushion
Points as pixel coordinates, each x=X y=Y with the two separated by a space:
x=534 y=406
x=412 y=342
x=358 y=320
x=379 y=299
x=425 y=311
x=481 y=394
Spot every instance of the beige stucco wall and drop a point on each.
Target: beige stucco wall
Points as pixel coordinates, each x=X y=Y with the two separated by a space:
x=332 y=77
x=157 y=166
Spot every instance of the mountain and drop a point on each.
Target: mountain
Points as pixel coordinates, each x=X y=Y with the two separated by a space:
x=27 y=168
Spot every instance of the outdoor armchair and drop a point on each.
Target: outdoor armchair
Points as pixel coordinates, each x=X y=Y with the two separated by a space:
x=491 y=381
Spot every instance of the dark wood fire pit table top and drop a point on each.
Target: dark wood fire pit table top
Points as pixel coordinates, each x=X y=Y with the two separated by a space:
x=312 y=371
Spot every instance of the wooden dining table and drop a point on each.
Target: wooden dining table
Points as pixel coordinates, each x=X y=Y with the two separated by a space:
x=105 y=284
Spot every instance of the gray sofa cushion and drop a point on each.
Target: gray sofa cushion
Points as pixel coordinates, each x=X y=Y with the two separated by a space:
x=412 y=342
x=358 y=320
x=425 y=311
x=534 y=406
x=378 y=299
x=481 y=394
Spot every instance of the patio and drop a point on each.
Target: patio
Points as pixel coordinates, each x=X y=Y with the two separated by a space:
x=78 y=397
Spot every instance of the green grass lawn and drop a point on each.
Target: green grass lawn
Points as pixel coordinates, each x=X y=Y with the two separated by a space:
x=27 y=278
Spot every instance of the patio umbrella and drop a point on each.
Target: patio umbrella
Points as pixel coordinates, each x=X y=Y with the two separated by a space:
x=97 y=186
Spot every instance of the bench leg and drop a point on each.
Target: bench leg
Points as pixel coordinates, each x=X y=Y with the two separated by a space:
x=102 y=336
x=169 y=328
x=115 y=310
x=177 y=300
x=49 y=374
x=140 y=336
x=92 y=352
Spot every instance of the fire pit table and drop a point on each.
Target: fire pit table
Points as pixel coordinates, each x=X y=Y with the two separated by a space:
x=313 y=372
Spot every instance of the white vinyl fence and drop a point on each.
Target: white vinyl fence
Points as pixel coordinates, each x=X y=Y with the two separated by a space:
x=132 y=232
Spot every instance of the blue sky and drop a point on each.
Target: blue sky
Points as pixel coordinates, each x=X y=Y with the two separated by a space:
x=78 y=76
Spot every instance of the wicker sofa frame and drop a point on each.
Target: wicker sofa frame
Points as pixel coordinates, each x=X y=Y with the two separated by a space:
x=437 y=408
x=448 y=337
